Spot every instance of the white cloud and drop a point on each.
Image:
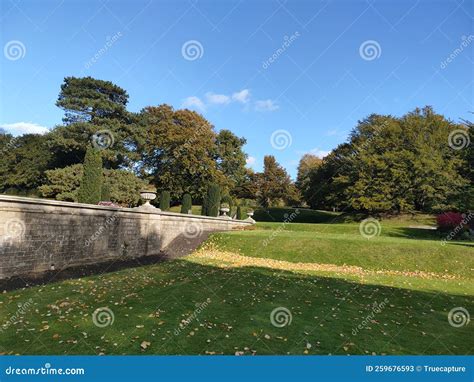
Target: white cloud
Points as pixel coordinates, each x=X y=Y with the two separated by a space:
x=319 y=153
x=217 y=99
x=266 y=105
x=250 y=160
x=20 y=128
x=243 y=96
x=193 y=103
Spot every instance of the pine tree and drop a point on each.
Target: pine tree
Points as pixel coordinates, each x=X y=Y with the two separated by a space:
x=274 y=182
x=91 y=184
x=186 y=205
x=165 y=199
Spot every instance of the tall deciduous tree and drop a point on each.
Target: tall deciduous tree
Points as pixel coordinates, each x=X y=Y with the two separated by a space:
x=178 y=150
x=393 y=164
x=308 y=164
x=230 y=157
x=274 y=183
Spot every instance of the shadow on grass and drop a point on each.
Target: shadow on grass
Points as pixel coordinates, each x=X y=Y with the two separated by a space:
x=293 y=215
x=415 y=233
x=332 y=315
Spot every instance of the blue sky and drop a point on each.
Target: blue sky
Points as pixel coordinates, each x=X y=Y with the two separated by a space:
x=342 y=61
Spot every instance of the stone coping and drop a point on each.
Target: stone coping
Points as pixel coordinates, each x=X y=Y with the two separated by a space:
x=59 y=203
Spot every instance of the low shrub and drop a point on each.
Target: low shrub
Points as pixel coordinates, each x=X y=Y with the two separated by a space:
x=449 y=220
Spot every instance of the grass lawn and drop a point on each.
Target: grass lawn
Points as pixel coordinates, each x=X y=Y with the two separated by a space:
x=196 y=210
x=387 y=295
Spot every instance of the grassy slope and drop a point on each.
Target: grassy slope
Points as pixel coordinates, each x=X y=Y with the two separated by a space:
x=149 y=303
x=397 y=248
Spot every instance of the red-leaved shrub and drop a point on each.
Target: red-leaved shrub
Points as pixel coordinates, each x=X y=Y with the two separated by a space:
x=449 y=220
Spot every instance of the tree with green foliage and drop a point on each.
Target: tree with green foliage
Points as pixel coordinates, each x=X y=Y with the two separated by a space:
x=186 y=204
x=87 y=99
x=95 y=112
x=307 y=165
x=165 y=199
x=64 y=183
x=393 y=165
x=213 y=202
x=91 y=183
x=247 y=187
x=230 y=157
x=273 y=184
x=23 y=161
x=177 y=151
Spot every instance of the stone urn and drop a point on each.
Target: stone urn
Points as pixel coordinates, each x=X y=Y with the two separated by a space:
x=249 y=218
x=148 y=196
x=225 y=210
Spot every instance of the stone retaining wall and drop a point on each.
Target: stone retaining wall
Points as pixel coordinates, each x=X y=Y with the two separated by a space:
x=38 y=235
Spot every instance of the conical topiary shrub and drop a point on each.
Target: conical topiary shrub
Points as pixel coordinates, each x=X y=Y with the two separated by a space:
x=165 y=199
x=204 y=205
x=91 y=184
x=239 y=213
x=186 y=204
x=213 y=200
